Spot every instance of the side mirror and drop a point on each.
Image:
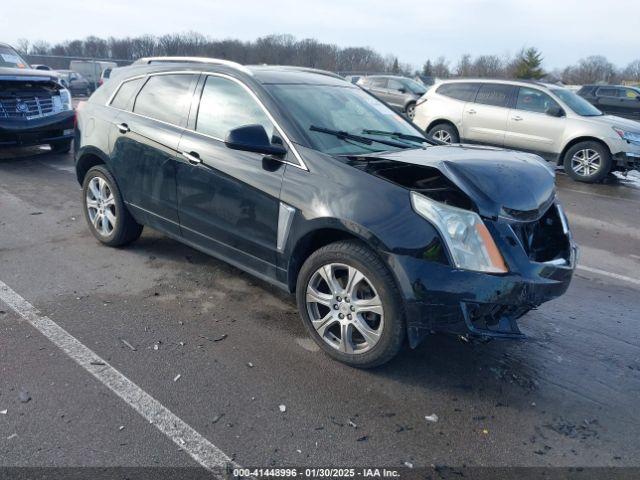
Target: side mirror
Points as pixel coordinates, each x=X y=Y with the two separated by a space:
x=253 y=138
x=402 y=90
x=555 y=111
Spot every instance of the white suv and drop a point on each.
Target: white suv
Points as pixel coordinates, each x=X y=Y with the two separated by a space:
x=532 y=116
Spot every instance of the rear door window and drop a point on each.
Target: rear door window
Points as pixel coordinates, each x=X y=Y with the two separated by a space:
x=608 y=92
x=459 y=90
x=377 y=82
x=396 y=85
x=165 y=97
x=225 y=105
x=495 y=94
x=124 y=96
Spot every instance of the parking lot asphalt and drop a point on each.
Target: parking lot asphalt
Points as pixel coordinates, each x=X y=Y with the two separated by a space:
x=222 y=352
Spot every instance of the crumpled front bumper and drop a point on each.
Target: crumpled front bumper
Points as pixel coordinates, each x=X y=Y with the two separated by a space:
x=445 y=299
x=626 y=155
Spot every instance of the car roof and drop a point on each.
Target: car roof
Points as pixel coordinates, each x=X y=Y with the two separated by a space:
x=387 y=76
x=502 y=81
x=264 y=74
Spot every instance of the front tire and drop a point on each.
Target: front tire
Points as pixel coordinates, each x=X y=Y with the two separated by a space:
x=444 y=132
x=350 y=304
x=105 y=212
x=588 y=162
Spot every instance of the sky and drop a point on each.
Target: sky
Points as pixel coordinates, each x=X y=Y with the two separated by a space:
x=564 y=30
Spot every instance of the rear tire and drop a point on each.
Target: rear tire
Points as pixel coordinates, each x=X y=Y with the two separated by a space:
x=444 y=132
x=588 y=162
x=410 y=110
x=106 y=214
x=362 y=324
x=61 y=146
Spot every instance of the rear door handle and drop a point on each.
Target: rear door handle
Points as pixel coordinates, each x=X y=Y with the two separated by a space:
x=517 y=118
x=471 y=112
x=193 y=157
x=124 y=128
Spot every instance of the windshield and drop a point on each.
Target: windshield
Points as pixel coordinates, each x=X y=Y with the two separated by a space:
x=415 y=87
x=345 y=109
x=10 y=58
x=576 y=103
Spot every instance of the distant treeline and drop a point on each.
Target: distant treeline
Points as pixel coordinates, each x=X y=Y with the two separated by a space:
x=286 y=49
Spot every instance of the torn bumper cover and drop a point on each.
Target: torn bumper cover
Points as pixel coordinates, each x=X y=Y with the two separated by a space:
x=442 y=298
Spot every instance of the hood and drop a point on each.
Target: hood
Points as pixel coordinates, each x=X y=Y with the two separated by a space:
x=613 y=121
x=499 y=182
x=30 y=74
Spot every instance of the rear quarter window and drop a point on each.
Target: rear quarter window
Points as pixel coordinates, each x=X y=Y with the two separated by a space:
x=124 y=96
x=165 y=97
x=459 y=91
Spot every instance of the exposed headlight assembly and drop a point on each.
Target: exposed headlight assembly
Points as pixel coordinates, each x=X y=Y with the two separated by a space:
x=465 y=234
x=628 y=136
x=65 y=98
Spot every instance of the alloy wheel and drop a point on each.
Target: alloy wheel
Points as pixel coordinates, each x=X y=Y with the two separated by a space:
x=345 y=308
x=442 y=135
x=586 y=162
x=101 y=206
x=411 y=111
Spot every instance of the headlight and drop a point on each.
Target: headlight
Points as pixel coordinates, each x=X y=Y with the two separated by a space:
x=465 y=234
x=65 y=97
x=628 y=136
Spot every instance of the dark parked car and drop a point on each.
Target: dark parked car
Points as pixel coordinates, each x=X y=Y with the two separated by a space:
x=35 y=108
x=615 y=100
x=400 y=92
x=310 y=183
x=74 y=82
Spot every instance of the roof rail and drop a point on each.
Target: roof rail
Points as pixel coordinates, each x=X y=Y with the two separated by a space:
x=311 y=70
x=214 y=61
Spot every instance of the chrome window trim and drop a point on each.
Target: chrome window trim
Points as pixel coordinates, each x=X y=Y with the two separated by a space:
x=289 y=143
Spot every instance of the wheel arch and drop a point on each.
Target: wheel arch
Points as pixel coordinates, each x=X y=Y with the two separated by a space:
x=87 y=159
x=322 y=235
x=441 y=120
x=573 y=142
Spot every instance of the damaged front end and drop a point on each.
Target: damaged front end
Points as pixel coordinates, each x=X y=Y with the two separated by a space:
x=34 y=109
x=508 y=245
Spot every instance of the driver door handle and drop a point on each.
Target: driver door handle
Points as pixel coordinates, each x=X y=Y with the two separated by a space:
x=471 y=112
x=517 y=118
x=193 y=157
x=124 y=128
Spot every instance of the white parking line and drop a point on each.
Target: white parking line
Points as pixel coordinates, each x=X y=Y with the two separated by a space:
x=604 y=273
x=198 y=447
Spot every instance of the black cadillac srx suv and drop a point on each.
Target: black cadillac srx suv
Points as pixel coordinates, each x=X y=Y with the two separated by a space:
x=35 y=108
x=312 y=184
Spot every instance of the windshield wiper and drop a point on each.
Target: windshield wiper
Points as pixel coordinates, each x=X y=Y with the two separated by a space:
x=402 y=136
x=357 y=138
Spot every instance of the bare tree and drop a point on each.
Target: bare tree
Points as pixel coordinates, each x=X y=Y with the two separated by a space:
x=464 y=68
x=488 y=66
x=441 y=68
x=632 y=72
x=593 y=69
x=22 y=45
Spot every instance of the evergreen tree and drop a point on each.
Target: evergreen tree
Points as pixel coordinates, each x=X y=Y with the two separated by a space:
x=529 y=64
